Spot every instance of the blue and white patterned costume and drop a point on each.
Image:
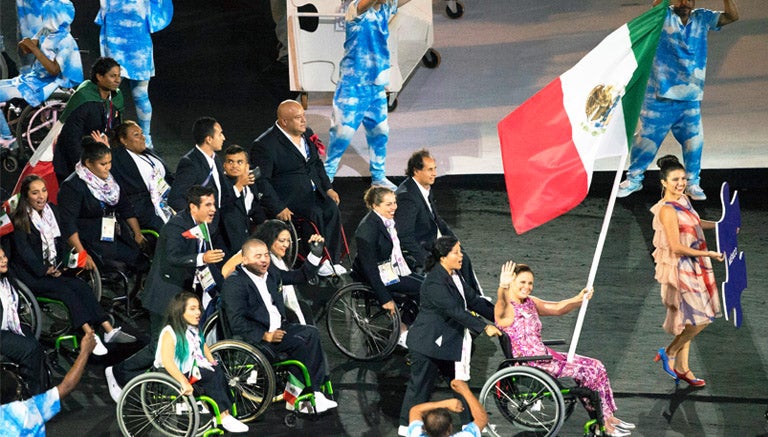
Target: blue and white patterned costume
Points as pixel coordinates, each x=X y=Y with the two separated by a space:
x=126 y=26
x=674 y=93
x=360 y=94
x=30 y=17
x=57 y=44
x=28 y=417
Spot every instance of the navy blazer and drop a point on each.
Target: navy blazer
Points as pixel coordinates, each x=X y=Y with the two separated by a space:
x=193 y=169
x=82 y=213
x=286 y=176
x=442 y=317
x=244 y=310
x=236 y=222
x=27 y=261
x=132 y=186
x=374 y=246
x=416 y=226
x=174 y=264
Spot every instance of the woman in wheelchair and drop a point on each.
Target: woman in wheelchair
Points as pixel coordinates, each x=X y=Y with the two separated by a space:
x=39 y=250
x=379 y=261
x=182 y=352
x=517 y=314
x=17 y=344
x=143 y=177
x=100 y=218
x=57 y=62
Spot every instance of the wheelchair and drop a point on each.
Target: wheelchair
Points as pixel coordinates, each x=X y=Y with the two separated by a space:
x=301 y=228
x=360 y=328
x=525 y=400
x=255 y=374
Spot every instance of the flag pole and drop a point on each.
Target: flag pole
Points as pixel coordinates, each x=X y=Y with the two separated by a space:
x=596 y=257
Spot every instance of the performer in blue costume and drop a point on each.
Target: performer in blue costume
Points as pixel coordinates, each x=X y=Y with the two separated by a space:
x=674 y=93
x=361 y=95
x=126 y=26
x=57 y=62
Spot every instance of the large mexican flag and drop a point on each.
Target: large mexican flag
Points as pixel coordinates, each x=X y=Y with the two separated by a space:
x=549 y=143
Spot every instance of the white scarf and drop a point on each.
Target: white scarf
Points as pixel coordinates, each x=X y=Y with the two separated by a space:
x=104 y=190
x=10 y=302
x=396 y=257
x=45 y=223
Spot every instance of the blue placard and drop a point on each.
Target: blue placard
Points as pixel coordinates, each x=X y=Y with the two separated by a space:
x=735 y=265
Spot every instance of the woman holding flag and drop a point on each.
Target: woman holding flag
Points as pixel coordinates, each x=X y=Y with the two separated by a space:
x=182 y=352
x=40 y=258
x=684 y=270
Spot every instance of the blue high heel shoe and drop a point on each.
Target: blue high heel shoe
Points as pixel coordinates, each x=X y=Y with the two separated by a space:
x=661 y=355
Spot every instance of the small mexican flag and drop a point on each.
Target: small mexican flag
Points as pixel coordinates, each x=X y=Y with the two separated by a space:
x=549 y=143
x=6 y=227
x=75 y=260
x=293 y=388
x=199 y=232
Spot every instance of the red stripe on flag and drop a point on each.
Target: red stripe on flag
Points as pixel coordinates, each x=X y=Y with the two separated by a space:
x=44 y=169
x=544 y=175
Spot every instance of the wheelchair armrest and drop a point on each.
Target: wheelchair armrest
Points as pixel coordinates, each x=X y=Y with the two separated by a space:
x=523 y=360
x=554 y=342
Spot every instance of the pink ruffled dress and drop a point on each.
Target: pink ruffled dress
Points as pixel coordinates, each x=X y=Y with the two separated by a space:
x=688 y=287
x=525 y=336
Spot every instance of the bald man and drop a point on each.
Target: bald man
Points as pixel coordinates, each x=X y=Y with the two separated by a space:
x=293 y=179
x=253 y=308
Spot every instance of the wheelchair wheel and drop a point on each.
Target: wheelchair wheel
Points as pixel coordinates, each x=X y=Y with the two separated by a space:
x=212 y=331
x=522 y=400
x=249 y=375
x=93 y=279
x=292 y=254
x=359 y=326
x=30 y=315
x=150 y=405
x=36 y=121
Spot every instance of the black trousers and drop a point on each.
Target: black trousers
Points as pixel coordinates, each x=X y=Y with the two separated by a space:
x=302 y=343
x=424 y=373
x=142 y=360
x=325 y=214
x=76 y=295
x=27 y=352
x=214 y=385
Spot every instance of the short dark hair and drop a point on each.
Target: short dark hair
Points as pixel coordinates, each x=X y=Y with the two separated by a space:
x=102 y=67
x=122 y=131
x=203 y=127
x=195 y=193
x=234 y=149
x=440 y=249
x=522 y=268
x=437 y=422
x=93 y=150
x=416 y=162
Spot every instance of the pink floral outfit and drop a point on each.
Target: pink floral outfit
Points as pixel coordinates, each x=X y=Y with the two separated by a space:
x=525 y=335
x=688 y=287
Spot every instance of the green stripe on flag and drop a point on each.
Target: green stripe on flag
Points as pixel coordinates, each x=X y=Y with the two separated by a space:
x=644 y=33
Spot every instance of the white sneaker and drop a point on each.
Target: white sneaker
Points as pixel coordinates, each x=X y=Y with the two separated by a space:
x=323 y=404
x=386 y=183
x=233 y=425
x=114 y=388
x=116 y=335
x=402 y=430
x=627 y=187
x=100 y=350
x=401 y=340
x=695 y=192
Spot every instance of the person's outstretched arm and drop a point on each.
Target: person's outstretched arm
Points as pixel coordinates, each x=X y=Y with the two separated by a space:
x=73 y=376
x=479 y=415
x=417 y=411
x=730 y=13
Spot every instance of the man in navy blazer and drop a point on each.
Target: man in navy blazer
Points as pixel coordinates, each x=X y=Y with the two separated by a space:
x=293 y=178
x=201 y=166
x=253 y=309
x=177 y=260
x=240 y=217
x=416 y=219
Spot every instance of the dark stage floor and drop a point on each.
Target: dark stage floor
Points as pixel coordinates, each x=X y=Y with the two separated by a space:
x=622 y=327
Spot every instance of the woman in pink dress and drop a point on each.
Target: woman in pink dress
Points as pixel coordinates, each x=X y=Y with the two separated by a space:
x=517 y=314
x=684 y=270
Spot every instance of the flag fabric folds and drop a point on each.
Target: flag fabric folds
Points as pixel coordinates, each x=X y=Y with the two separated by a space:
x=75 y=260
x=41 y=163
x=199 y=232
x=549 y=143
